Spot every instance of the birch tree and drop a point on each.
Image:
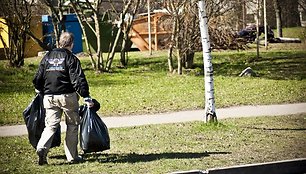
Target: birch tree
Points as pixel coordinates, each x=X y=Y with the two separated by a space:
x=210 y=113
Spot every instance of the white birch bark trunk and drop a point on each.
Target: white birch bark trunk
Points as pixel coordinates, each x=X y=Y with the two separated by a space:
x=265 y=24
x=210 y=111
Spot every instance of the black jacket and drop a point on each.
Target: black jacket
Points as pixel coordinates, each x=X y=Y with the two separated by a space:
x=60 y=72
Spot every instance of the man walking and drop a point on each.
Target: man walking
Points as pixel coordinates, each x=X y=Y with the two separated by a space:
x=61 y=79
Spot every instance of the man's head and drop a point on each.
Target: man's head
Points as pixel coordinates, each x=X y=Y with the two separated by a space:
x=66 y=40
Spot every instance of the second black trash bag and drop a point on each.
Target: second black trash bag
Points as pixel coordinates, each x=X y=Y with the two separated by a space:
x=34 y=117
x=94 y=135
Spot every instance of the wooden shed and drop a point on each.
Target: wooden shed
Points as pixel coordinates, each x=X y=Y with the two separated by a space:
x=160 y=31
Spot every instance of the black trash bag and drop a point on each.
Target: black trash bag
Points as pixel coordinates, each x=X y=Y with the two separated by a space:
x=34 y=117
x=95 y=107
x=94 y=135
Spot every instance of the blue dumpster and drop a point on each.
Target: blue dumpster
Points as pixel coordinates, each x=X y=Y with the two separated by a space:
x=72 y=25
x=47 y=28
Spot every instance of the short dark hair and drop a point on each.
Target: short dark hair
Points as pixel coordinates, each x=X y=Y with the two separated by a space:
x=66 y=39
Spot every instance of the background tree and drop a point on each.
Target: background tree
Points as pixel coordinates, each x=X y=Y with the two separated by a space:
x=185 y=31
x=240 y=9
x=190 y=26
x=92 y=14
x=129 y=10
x=278 y=16
x=302 y=4
x=289 y=13
x=88 y=13
x=174 y=8
x=17 y=17
x=126 y=30
x=56 y=12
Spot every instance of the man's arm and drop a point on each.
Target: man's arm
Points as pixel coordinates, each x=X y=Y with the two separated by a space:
x=79 y=81
x=38 y=80
x=77 y=77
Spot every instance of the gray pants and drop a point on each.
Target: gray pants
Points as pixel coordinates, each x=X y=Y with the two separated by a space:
x=55 y=106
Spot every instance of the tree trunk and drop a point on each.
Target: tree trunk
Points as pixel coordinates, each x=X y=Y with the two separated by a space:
x=239 y=15
x=88 y=50
x=170 y=59
x=189 y=42
x=112 y=53
x=126 y=31
x=179 y=62
x=210 y=112
x=278 y=15
x=99 y=53
x=178 y=48
x=171 y=46
x=123 y=60
x=125 y=38
x=189 y=56
x=290 y=14
x=83 y=22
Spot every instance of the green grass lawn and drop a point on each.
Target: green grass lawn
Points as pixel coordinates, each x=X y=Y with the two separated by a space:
x=294 y=32
x=147 y=87
x=156 y=149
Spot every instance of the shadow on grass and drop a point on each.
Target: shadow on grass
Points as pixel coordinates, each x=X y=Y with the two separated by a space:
x=272 y=65
x=134 y=157
x=277 y=129
x=13 y=80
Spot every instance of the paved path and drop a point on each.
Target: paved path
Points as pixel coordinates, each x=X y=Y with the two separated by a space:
x=183 y=116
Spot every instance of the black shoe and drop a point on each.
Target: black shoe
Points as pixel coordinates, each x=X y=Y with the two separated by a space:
x=42 y=156
x=76 y=160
